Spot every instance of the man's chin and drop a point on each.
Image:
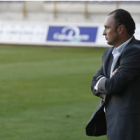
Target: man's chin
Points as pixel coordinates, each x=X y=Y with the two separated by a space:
x=109 y=43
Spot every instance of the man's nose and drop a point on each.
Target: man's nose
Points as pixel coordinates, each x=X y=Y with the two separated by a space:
x=104 y=32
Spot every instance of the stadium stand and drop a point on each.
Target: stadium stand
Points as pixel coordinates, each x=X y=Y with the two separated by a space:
x=90 y=11
x=74 y=23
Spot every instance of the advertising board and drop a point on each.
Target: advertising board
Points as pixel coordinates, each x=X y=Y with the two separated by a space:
x=72 y=34
x=50 y=34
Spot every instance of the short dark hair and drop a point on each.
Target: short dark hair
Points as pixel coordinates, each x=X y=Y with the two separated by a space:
x=123 y=17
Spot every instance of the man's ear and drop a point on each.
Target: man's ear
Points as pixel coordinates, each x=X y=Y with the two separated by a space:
x=121 y=29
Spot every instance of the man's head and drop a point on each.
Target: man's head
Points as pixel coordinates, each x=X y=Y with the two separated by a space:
x=119 y=26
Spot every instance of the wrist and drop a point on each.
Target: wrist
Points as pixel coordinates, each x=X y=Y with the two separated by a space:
x=99 y=77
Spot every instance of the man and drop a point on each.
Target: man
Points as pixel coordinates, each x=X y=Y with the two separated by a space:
x=117 y=82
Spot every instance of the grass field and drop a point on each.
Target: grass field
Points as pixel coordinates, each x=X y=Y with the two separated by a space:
x=45 y=92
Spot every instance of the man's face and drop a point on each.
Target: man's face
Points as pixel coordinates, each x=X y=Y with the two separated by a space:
x=110 y=31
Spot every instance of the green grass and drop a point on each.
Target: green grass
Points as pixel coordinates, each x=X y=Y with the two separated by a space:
x=45 y=92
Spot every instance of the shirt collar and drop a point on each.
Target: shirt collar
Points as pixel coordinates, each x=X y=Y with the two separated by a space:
x=120 y=48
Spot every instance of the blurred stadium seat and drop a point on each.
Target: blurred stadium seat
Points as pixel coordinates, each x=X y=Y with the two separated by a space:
x=64 y=11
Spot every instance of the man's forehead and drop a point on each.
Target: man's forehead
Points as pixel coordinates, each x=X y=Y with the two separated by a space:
x=110 y=19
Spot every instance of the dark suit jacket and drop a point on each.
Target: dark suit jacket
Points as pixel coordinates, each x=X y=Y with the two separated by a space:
x=122 y=103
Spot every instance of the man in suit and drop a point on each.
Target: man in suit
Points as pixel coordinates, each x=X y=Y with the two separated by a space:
x=117 y=81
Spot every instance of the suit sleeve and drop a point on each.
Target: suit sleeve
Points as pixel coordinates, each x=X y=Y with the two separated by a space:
x=100 y=73
x=94 y=79
x=128 y=69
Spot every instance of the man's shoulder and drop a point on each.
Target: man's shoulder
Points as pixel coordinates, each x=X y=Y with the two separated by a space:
x=132 y=49
x=134 y=45
x=134 y=42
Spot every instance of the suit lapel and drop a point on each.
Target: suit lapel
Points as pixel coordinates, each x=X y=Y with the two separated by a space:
x=107 y=61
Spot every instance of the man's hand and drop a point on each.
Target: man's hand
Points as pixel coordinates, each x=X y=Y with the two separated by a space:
x=114 y=72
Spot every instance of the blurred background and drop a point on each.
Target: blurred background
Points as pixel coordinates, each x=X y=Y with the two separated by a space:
x=70 y=23
x=49 y=52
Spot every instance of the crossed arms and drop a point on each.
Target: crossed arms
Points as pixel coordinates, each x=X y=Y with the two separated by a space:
x=128 y=69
